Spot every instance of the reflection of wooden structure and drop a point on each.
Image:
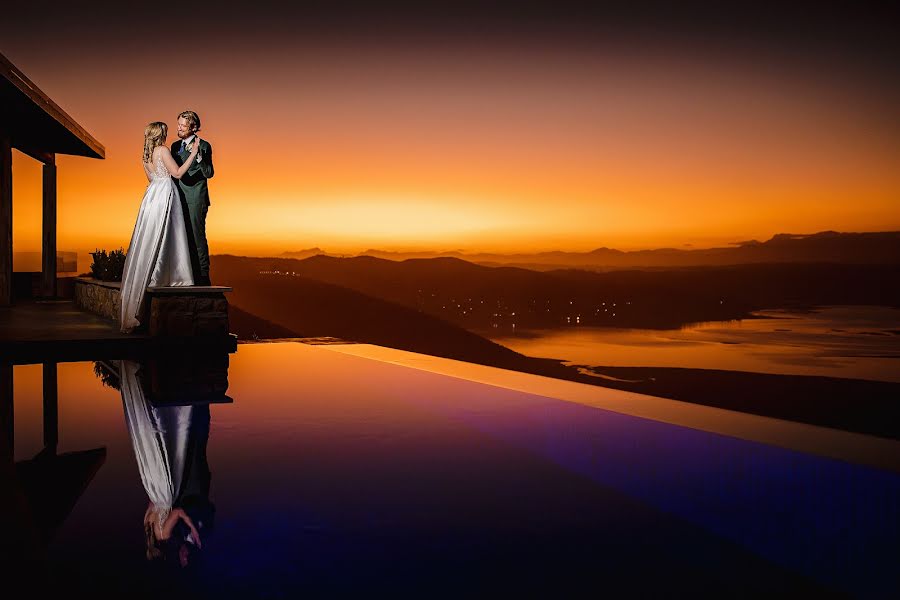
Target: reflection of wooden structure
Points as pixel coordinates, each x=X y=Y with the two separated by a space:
x=33 y=124
x=7 y=416
x=50 y=485
x=39 y=493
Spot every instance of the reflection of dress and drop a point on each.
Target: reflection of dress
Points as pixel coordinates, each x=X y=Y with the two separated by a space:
x=158 y=254
x=160 y=440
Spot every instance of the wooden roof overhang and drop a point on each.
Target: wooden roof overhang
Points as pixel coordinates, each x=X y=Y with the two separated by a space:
x=35 y=124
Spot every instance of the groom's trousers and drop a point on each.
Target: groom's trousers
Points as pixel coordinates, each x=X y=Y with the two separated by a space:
x=197 y=211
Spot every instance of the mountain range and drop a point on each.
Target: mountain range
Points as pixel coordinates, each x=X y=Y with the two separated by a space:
x=825 y=246
x=479 y=297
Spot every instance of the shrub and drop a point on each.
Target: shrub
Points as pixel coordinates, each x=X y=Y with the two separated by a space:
x=108 y=267
x=107 y=377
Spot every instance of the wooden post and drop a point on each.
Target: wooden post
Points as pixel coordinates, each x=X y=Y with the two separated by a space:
x=7 y=423
x=48 y=270
x=5 y=220
x=51 y=407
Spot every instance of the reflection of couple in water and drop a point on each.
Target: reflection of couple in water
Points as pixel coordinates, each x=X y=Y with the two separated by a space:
x=170 y=447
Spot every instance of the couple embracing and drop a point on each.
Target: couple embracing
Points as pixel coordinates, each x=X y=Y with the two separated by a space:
x=168 y=246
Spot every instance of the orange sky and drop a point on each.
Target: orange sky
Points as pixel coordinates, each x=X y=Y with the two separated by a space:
x=496 y=148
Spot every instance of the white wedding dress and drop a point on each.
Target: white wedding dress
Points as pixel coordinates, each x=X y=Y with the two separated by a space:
x=158 y=254
x=159 y=437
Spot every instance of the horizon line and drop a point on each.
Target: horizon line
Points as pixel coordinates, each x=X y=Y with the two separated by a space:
x=684 y=247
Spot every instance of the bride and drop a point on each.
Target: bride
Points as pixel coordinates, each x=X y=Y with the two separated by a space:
x=158 y=254
x=165 y=445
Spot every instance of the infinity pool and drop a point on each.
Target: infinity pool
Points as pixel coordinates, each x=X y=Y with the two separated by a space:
x=338 y=473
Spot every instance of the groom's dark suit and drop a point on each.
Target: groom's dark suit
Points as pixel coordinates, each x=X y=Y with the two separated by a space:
x=195 y=196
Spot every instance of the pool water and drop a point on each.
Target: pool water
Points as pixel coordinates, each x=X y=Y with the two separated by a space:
x=333 y=473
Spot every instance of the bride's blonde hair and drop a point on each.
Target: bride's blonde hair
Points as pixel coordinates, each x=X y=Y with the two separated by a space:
x=154 y=135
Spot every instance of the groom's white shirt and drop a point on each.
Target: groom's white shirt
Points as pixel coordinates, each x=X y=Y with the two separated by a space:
x=187 y=142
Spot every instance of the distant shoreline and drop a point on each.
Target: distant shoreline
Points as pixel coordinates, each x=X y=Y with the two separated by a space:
x=857 y=405
x=851 y=404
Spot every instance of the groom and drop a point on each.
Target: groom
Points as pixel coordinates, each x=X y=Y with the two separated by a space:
x=194 y=190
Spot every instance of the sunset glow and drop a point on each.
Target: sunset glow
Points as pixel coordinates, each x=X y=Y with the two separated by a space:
x=489 y=146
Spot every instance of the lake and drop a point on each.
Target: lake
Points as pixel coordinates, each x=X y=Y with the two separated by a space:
x=858 y=342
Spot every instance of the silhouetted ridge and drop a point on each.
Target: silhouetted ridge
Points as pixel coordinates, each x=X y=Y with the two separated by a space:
x=825 y=246
x=478 y=298
x=304 y=307
x=250 y=327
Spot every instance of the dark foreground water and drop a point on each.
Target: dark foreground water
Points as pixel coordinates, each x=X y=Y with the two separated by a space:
x=339 y=474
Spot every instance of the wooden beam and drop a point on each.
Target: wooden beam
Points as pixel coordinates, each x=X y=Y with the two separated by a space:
x=48 y=158
x=51 y=407
x=5 y=220
x=7 y=422
x=48 y=248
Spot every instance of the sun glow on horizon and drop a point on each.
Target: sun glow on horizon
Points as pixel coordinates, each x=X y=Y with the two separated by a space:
x=554 y=149
x=374 y=219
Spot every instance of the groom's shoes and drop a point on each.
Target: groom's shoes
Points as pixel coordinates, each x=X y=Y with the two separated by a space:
x=202 y=280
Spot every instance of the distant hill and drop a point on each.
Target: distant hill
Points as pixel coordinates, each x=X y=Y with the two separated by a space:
x=480 y=298
x=305 y=253
x=248 y=326
x=825 y=246
x=303 y=307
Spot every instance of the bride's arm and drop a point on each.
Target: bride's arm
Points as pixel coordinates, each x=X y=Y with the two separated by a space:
x=146 y=170
x=172 y=167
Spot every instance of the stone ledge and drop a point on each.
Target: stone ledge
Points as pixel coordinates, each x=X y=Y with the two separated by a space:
x=98 y=297
x=106 y=284
x=190 y=289
x=177 y=311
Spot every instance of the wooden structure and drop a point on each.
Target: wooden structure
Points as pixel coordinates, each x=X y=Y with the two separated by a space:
x=33 y=124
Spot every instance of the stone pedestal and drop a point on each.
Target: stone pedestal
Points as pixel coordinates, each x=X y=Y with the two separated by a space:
x=193 y=311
